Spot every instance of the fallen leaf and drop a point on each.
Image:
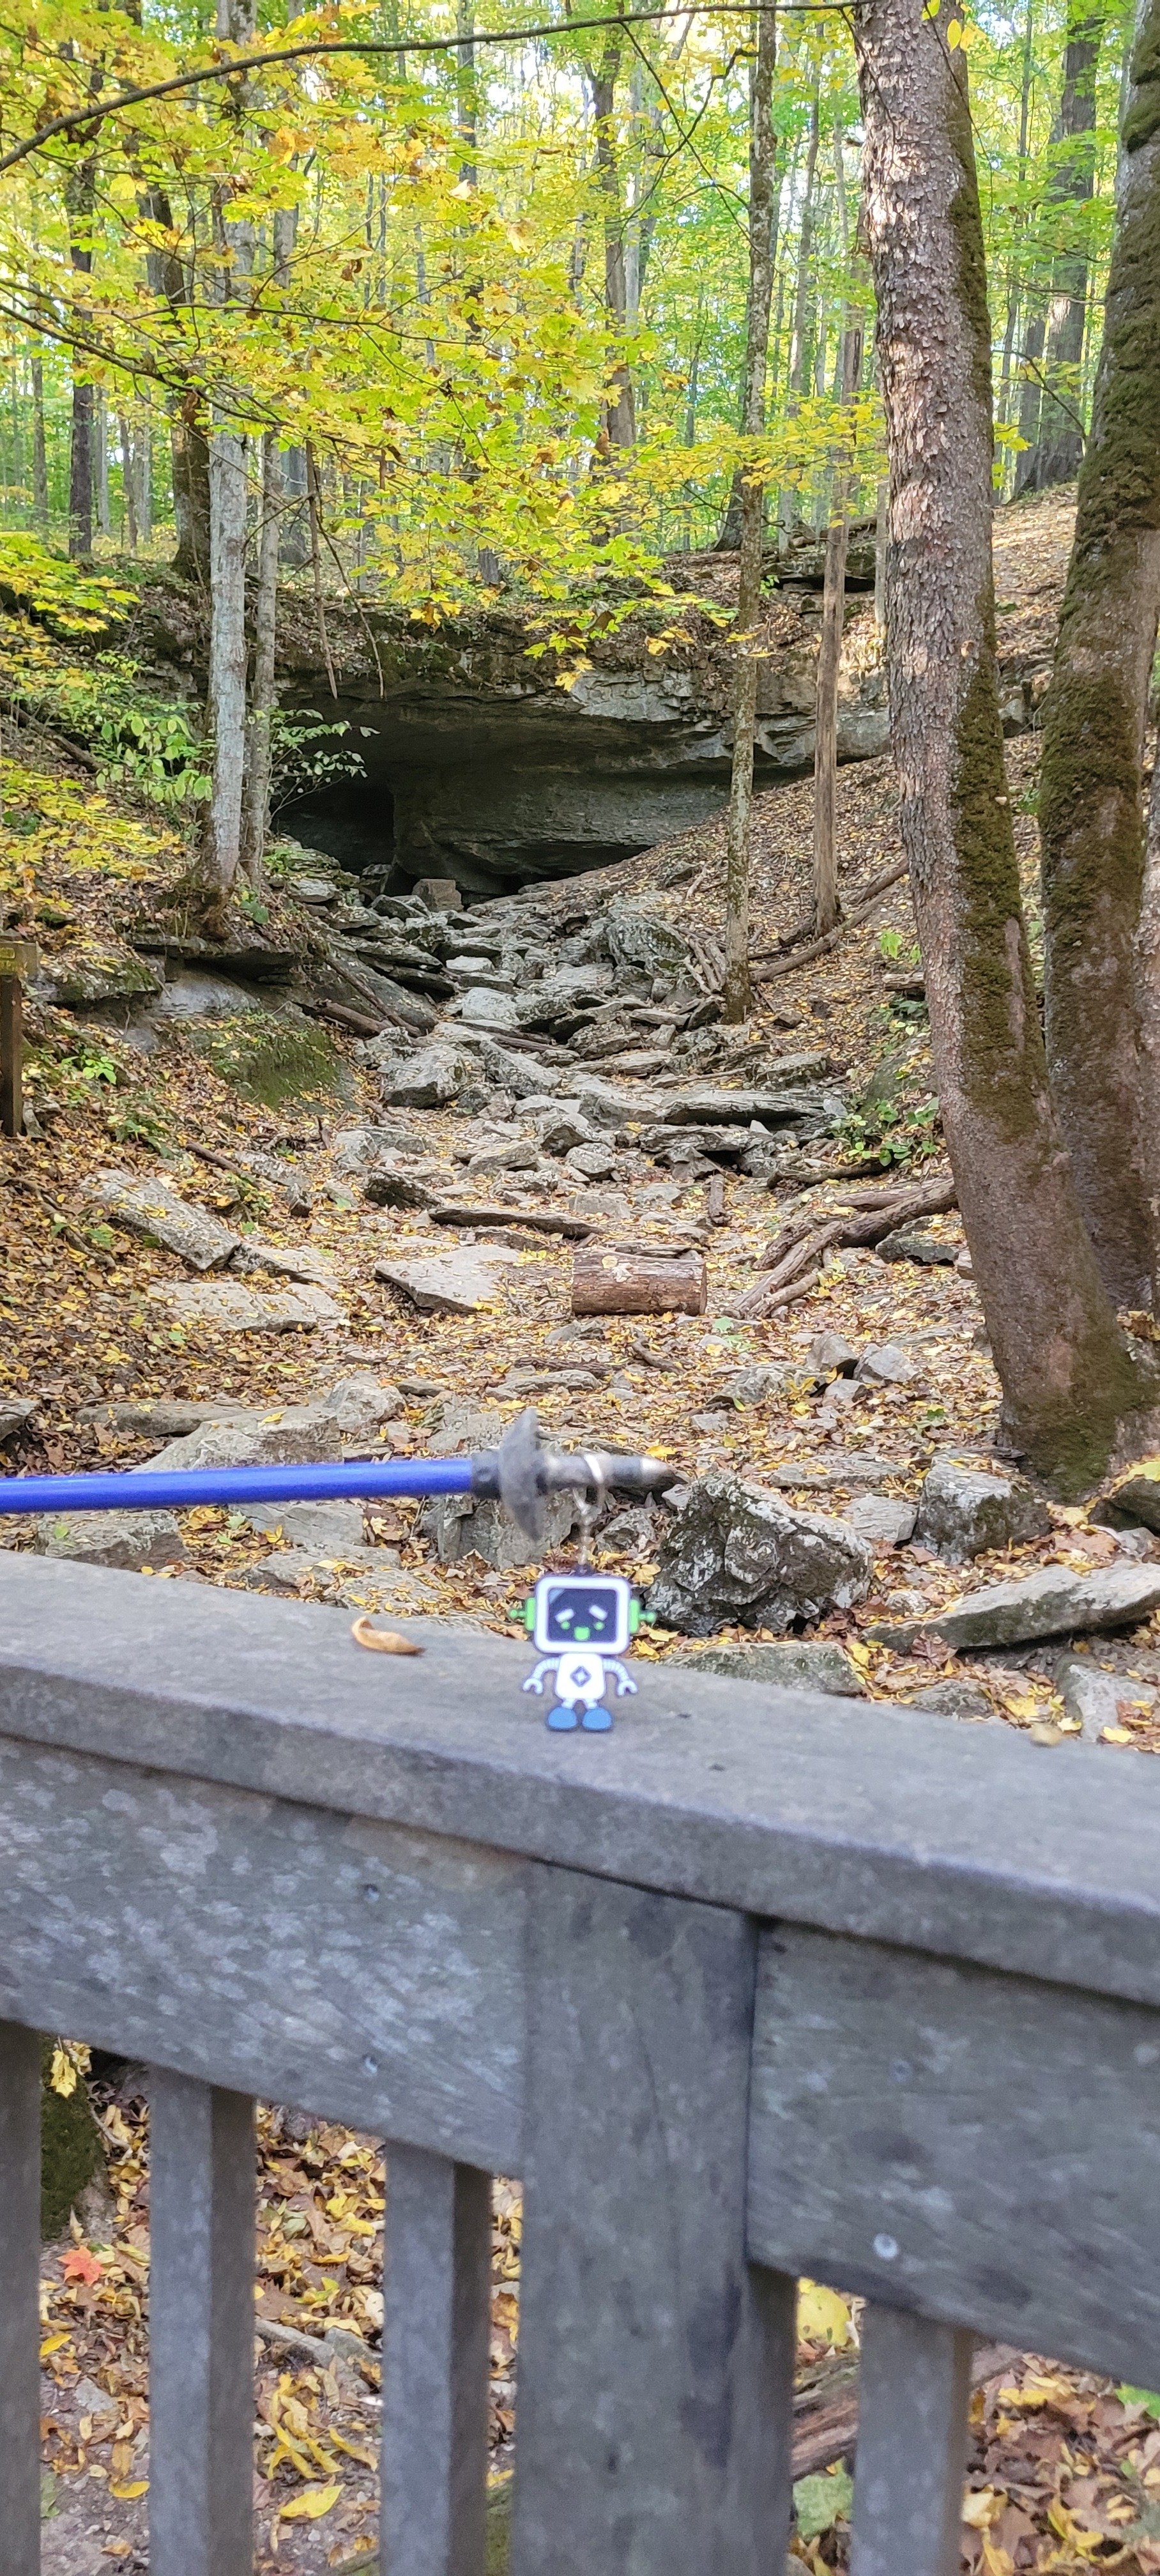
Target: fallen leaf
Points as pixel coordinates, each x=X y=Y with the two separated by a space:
x=823 y=2317
x=982 y=2506
x=311 y=2504
x=80 y=2265
x=128 y=2490
x=383 y=1641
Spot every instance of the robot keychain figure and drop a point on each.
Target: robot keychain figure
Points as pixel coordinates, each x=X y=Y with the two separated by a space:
x=582 y=1622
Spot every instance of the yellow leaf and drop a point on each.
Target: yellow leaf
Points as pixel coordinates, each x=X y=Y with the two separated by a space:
x=823 y=2317
x=128 y=2490
x=954 y=33
x=52 y=2343
x=981 y=2507
x=1022 y=1704
x=857 y=1653
x=1115 y=1735
x=311 y=2504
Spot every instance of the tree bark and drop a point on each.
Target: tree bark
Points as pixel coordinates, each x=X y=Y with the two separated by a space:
x=39 y=449
x=1148 y=973
x=1091 y=786
x=80 y=201
x=263 y=693
x=635 y=1280
x=829 y=660
x=236 y=21
x=620 y=401
x=1051 y=400
x=797 y=345
x=128 y=483
x=1069 y=1380
x=736 y=990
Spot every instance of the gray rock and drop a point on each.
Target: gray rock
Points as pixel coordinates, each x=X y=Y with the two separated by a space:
x=911 y=1246
x=324 y=1529
x=284 y=1261
x=356 y=1149
x=560 y=1128
x=739 y=1554
x=592 y=1162
x=461 y=1525
x=485 y=1009
x=830 y=1355
x=886 y=1363
x=428 y=1079
x=515 y=1155
x=880 y=1519
x=228 y=1306
x=312 y=889
x=87 y=976
x=16 y=1411
x=129 y=1539
x=169 y=1418
x=1053 y=1603
x=842 y=1467
x=955 y=1699
x=963 y=1511
x=189 y=995
x=709 y=1106
x=285 y=1436
x=563 y=995
x=755 y=1384
x=398 y=1183
x=642 y=933
x=1137 y=1501
x=801 y=1664
x=1094 y=1696
x=150 y=1208
x=1136 y=1542
x=523 y=1075
x=360 y=1405
x=449 y=1283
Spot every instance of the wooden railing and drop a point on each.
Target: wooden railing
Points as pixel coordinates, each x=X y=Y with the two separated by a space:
x=757 y=1985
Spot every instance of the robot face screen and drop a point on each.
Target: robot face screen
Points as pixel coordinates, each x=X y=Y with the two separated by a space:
x=581 y=1611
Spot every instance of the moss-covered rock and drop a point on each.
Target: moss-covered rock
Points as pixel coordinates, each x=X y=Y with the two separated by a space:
x=272 y=1057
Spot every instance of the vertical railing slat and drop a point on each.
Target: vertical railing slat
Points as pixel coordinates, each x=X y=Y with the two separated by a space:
x=655 y=2362
x=19 y=2300
x=436 y=2341
x=914 y=2392
x=201 y=2329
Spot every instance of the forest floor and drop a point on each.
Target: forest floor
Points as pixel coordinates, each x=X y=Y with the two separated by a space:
x=1064 y=2471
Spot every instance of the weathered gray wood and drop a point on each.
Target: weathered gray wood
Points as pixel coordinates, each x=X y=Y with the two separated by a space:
x=892 y=1824
x=984 y=2148
x=436 y=2340
x=914 y=2391
x=19 y=2308
x=655 y=2365
x=201 y=2329
x=356 y=1968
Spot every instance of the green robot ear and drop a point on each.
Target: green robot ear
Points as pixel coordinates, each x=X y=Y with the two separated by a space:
x=530 y=1611
x=633 y=1617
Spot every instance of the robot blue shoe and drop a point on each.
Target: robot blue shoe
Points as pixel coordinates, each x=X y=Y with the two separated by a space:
x=562 y=1720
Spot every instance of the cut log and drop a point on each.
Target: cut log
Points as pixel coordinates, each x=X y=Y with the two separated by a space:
x=621 y=1281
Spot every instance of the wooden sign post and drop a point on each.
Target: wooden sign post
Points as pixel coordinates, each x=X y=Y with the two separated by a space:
x=18 y=959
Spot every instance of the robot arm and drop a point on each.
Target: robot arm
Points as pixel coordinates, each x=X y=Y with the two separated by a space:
x=535 y=1681
x=624 y=1680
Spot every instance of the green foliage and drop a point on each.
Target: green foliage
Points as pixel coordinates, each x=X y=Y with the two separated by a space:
x=819 y=2502
x=1145 y=2397
x=894 y=1132
x=305 y=755
x=140 y=1119
x=57 y=593
x=271 y=1059
x=71 y=2149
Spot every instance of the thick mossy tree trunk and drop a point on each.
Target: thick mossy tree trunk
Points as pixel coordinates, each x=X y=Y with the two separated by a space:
x=1148 y=971
x=1070 y=1383
x=72 y=2152
x=735 y=991
x=826 y=905
x=1091 y=801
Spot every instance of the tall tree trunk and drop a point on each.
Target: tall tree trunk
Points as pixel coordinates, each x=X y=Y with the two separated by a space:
x=1069 y=1381
x=1058 y=446
x=128 y=483
x=189 y=457
x=80 y=201
x=234 y=243
x=39 y=448
x=1091 y=785
x=1148 y=974
x=830 y=657
x=620 y=401
x=735 y=993
x=1014 y=278
x=263 y=691
x=101 y=466
x=801 y=301
x=730 y=534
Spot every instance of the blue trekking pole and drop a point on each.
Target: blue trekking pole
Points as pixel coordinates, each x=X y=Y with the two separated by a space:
x=520 y=1474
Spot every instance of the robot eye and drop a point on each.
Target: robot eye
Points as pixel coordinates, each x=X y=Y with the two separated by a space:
x=565 y=1617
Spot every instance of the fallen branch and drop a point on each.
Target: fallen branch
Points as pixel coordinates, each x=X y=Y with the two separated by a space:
x=576 y=1229
x=765 y=974
x=799 y=1249
x=830 y=2432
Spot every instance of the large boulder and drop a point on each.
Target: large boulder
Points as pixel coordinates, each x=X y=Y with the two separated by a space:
x=963 y=1511
x=798 y=1664
x=127 y=1539
x=644 y=937
x=1053 y=1603
x=150 y=1208
x=428 y=1079
x=739 y=1555
x=292 y=1435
